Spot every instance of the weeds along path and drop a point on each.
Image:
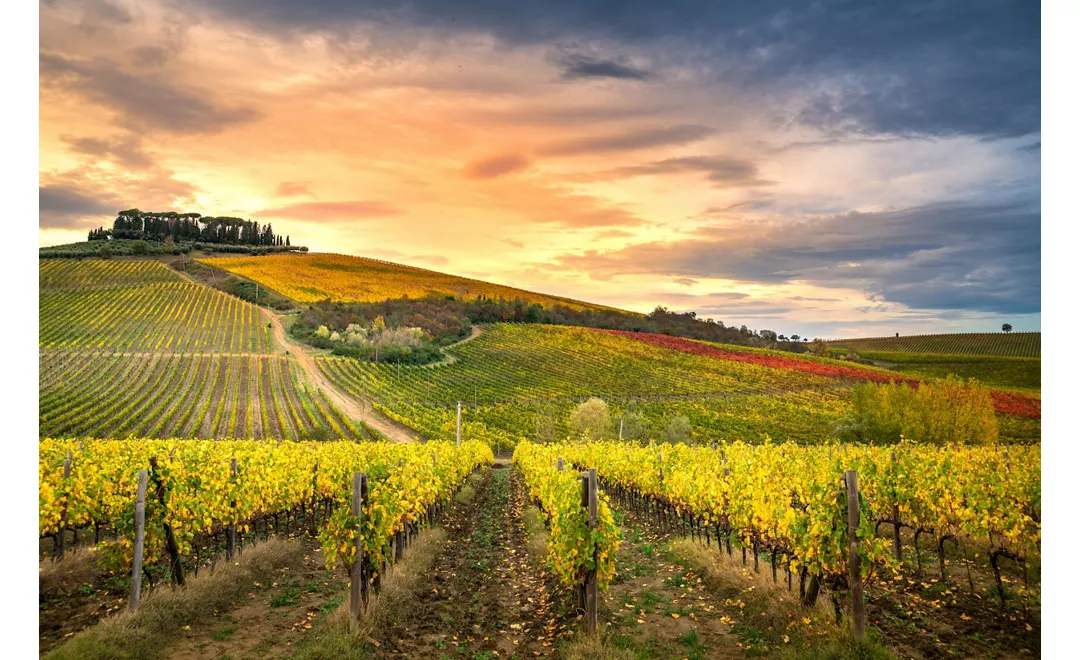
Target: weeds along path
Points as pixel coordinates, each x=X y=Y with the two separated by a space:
x=657 y=607
x=275 y=616
x=343 y=401
x=485 y=594
x=675 y=596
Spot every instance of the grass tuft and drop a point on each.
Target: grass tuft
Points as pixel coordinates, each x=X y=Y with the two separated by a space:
x=336 y=638
x=164 y=612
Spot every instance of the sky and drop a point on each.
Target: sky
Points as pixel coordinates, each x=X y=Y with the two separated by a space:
x=826 y=169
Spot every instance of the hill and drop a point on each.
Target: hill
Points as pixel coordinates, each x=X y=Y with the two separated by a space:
x=131 y=347
x=520 y=381
x=309 y=278
x=1002 y=344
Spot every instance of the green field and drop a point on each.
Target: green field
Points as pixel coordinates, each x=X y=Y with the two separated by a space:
x=141 y=306
x=1021 y=374
x=131 y=348
x=1004 y=344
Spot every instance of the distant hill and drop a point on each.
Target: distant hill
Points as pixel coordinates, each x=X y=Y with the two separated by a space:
x=1004 y=344
x=309 y=278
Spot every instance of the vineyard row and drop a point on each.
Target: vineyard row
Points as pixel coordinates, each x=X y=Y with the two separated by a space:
x=194 y=491
x=189 y=396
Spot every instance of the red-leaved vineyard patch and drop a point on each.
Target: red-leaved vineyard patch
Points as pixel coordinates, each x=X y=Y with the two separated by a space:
x=1004 y=402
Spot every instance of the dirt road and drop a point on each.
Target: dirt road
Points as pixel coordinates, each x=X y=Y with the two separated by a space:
x=345 y=403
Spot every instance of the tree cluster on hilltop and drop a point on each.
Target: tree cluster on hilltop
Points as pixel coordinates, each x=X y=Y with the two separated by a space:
x=189 y=227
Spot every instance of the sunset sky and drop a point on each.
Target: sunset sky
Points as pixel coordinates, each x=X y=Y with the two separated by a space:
x=821 y=168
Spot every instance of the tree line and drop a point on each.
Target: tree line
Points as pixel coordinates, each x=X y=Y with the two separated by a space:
x=153 y=226
x=446 y=318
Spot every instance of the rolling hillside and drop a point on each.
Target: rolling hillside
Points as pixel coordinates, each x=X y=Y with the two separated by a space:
x=309 y=278
x=131 y=347
x=1002 y=344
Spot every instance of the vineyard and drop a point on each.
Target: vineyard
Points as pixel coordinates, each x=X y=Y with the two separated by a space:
x=311 y=278
x=141 y=306
x=783 y=500
x=511 y=362
x=203 y=494
x=513 y=378
x=189 y=396
x=130 y=349
x=1006 y=344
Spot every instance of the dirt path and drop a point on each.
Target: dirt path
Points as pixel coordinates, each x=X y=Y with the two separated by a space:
x=485 y=594
x=345 y=403
x=275 y=617
x=451 y=359
x=658 y=608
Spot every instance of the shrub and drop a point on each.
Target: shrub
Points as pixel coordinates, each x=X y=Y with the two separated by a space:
x=323 y=332
x=140 y=247
x=635 y=426
x=591 y=418
x=677 y=429
x=937 y=412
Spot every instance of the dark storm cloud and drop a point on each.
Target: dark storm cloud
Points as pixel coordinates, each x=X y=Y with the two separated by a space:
x=967 y=255
x=147 y=101
x=630 y=140
x=578 y=66
x=921 y=67
x=63 y=206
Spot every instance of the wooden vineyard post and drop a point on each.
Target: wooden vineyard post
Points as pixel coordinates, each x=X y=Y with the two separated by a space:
x=897 y=552
x=458 y=423
x=858 y=605
x=140 y=525
x=230 y=535
x=559 y=464
x=60 y=538
x=588 y=487
x=621 y=420
x=314 y=497
x=357 y=586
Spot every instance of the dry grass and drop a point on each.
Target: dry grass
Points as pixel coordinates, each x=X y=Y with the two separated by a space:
x=592 y=647
x=536 y=532
x=721 y=571
x=465 y=495
x=64 y=576
x=165 y=612
x=336 y=638
x=768 y=603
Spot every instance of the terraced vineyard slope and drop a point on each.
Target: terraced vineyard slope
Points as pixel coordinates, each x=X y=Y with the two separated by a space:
x=130 y=347
x=1006 y=344
x=521 y=381
x=308 y=278
x=515 y=379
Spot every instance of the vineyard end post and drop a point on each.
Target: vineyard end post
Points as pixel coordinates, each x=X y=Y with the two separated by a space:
x=858 y=605
x=140 y=526
x=590 y=577
x=559 y=464
x=458 y=423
